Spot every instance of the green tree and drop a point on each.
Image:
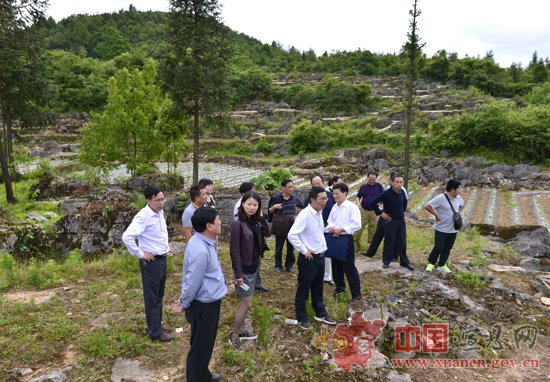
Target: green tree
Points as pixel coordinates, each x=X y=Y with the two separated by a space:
x=112 y=43
x=20 y=71
x=195 y=70
x=125 y=132
x=172 y=129
x=413 y=49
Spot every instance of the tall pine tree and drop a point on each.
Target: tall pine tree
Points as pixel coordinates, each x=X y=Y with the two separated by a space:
x=195 y=70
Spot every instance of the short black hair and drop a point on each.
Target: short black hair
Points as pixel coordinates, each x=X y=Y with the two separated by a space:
x=392 y=175
x=202 y=217
x=315 y=176
x=195 y=191
x=333 y=180
x=452 y=184
x=285 y=182
x=205 y=182
x=151 y=191
x=372 y=173
x=342 y=187
x=245 y=187
x=315 y=191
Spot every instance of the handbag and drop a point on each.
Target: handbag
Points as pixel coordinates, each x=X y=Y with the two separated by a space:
x=337 y=247
x=457 y=219
x=280 y=225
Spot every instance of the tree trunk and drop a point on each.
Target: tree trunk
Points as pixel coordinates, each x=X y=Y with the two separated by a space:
x=9 y=138
x=10 y=198
x=196 y=141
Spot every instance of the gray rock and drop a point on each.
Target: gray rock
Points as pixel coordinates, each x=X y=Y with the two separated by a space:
x=22 y=372
x=525 y=169
x=36 y=216
x=394 y=376
x=130 y=370
x=381 y=164
x=53 y=376
x=52 y=147
x=533 y=264
x=533 y=244
x=437 y=174
x=500 y=168
x=50 y=215
x=506 y=268
x=176 y=248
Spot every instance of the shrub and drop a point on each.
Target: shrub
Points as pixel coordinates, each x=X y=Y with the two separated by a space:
x=305 y=137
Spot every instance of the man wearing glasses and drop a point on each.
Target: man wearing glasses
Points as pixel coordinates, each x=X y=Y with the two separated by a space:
x=149 y=229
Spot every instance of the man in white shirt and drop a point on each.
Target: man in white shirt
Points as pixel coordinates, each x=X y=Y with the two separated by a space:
x=149 y=228
x=344 y=220
x=445 y=232
x=306 y=235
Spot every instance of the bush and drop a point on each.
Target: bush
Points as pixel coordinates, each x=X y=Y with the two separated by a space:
x=264 y=147
x=522 y=133
x=305 y=137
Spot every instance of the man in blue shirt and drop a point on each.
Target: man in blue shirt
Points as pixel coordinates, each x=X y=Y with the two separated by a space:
x=395 y=234
x=203 y=287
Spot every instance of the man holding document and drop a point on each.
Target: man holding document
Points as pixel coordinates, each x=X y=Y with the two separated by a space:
x=344 y=220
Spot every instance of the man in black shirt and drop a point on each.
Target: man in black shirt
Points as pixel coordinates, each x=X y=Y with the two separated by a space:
x=395 y=233
x=284 y=203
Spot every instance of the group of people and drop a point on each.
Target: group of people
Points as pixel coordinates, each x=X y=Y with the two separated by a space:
x=325 y=233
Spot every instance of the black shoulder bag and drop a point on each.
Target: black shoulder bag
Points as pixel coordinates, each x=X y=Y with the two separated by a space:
x=457 y=219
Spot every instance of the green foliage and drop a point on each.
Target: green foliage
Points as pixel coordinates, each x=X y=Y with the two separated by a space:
x=272 y=178
x=305 y=137
x=263 y=146
x=332 y=96
x=250 y=84
x=469 y=280
x=110 y=343
x=172 y=129
x=125 y=131
x=263 y=317
x=138 y=200
x=522 y=132
x=540 y=95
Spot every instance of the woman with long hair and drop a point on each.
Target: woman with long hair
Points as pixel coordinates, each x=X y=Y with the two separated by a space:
x=247 y=245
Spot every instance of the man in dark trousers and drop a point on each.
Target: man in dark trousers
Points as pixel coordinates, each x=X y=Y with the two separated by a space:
x=149 y=228
x=284 y=203
x=307 y=236
x=395 y=234
x=445 y=232
x=203 y=287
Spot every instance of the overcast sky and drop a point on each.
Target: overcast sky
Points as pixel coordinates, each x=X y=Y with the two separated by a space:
x=512 y=29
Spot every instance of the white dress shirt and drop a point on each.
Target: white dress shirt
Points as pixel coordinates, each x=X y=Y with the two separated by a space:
x=347 y=216
x=149 y=228
x=236 y=208
x=307 y=232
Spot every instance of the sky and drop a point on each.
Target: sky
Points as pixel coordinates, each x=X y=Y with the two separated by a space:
x=511 y=29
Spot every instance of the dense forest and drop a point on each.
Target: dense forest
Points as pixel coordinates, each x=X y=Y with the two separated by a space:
x=85 y=50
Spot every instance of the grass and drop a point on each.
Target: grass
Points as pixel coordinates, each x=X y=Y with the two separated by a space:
x=469 y=280
x=100 y=316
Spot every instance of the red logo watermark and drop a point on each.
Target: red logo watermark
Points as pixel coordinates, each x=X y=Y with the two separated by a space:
x=428 y=338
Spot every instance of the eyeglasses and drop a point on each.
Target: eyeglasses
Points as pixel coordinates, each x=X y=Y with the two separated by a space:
x=159 y=200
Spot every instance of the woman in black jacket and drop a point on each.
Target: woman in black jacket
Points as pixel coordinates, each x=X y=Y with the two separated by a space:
x=247 y=244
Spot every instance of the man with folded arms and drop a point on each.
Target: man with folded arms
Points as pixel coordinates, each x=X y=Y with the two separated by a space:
x=307 y=236
x=149 y=228
x=344 y=220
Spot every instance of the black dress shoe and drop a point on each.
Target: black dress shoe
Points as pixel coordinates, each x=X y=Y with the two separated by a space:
x=367 y=254
x=261 y=288
x=385 y=266
x=165 y=337
x=409 y=267
x=216 y=377
x=329 y=282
